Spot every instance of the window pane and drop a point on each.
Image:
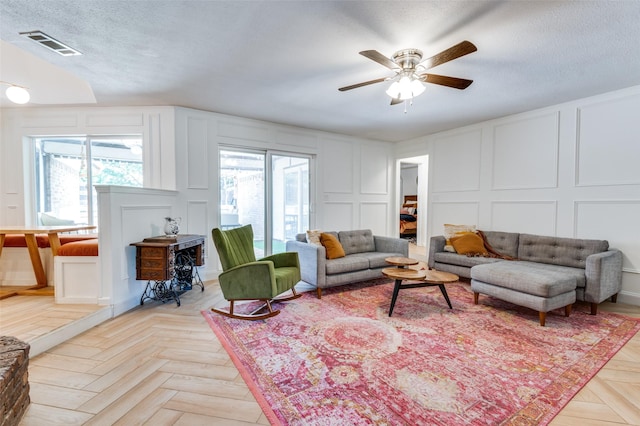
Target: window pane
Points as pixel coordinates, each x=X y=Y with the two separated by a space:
x=242 y=194
x=63 y=178
x=290 y=202
x=115 y=161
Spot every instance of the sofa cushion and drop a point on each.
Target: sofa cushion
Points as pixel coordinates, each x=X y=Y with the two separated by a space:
x=332 y=245
x=349 y=263
x=358 y=241
x=577 y=273
x=377 y=259
x=503 y=242
x=462 y=260
x=520 y=276
x=559 y=251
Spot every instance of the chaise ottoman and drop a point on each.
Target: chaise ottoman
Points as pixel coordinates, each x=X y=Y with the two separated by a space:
x=524 y=285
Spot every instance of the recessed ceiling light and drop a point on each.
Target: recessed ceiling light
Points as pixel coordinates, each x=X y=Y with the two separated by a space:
x=51 y=43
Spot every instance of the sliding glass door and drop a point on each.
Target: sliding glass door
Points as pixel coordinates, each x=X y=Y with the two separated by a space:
x=268 y=190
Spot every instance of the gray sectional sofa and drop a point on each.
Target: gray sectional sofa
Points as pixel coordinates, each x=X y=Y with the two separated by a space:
x=364 y=260
x=548 y=273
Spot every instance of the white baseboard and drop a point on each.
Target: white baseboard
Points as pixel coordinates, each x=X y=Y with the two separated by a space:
x=62 y=334
x=629 y=297
x=126 y=305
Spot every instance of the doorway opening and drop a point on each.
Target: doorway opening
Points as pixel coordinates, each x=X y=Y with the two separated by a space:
x=412 y=188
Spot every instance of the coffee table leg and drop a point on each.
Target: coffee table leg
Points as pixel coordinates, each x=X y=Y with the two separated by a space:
x=396 y=289
x=446 y=296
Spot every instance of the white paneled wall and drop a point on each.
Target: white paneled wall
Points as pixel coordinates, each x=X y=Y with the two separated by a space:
x=351 y=188
x=529 y=217
x=567 y=170
x=608 y=142
x=457 y=162
x=571 y=170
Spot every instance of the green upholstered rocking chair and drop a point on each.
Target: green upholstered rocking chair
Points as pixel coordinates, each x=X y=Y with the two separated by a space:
x=245 y=278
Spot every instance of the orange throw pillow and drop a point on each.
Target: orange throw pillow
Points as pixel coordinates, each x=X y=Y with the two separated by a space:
x=469 y=243
x=332 y=245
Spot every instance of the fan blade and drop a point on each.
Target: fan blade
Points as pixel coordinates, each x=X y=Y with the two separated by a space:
x=460 y=49
x=365 y=83
x=396 y=101
x=374 y=55
x=443 y=80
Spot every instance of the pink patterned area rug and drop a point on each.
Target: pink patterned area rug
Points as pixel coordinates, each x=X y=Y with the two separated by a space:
x=342 y=361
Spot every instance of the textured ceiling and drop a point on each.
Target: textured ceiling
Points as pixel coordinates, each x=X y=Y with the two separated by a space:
x=283 y=61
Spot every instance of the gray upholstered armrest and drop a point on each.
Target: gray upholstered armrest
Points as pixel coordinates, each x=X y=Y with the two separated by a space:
x=436 y=245
x=604 y=275
x=312 y=259
x=391 y=245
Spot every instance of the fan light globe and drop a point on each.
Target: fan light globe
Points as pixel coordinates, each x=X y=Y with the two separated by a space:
x=18 y=95
x=406 y=88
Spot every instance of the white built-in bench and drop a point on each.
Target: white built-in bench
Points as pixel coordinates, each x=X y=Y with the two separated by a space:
x=74 y=272
x=77 y=272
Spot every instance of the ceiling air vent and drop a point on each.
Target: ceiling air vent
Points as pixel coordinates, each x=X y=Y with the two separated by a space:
x=51 y=43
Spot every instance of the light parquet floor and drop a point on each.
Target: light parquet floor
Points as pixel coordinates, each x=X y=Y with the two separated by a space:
x=162 y=365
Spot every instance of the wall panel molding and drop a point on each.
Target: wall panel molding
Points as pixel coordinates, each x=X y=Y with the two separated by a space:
x=114 y=120
x=454 y=212
x=622 y=226
x=296 y=140
x=238 y=130
x=374 y=216
x=197 y=217
x=456 y=164
x=37 y=121
x=197 y=154
x=374 y=171
x=525 y=153
x=338 y=175
x=525 y=216
x=338 y=216
x=607 y=148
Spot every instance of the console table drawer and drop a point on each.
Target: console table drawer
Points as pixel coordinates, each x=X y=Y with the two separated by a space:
x=154 y=274
x=153 y=252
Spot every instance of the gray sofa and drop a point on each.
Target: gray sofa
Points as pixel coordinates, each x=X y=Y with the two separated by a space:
x=548 y=273
x=364 y=260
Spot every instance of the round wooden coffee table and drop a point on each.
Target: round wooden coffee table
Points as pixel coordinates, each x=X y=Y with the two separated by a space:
x=430 y=278
x=401 y=262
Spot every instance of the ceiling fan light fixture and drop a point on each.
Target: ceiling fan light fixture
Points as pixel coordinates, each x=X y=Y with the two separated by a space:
x=405 y=88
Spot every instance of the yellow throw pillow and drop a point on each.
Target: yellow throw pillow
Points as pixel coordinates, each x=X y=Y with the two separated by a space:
x=332 y=245
x=453 y=230
x=469 y=243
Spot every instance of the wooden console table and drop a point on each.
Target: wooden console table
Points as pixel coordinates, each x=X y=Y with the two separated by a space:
x=168 y=263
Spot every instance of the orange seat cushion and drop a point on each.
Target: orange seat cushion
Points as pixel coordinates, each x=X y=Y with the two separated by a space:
x=70 y=238
x=80 y=248
x=18 y=240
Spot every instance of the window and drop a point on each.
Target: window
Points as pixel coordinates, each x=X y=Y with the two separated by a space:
x=67 y=168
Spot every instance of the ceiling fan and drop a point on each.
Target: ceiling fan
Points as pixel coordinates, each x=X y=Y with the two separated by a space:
x=409 y=68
